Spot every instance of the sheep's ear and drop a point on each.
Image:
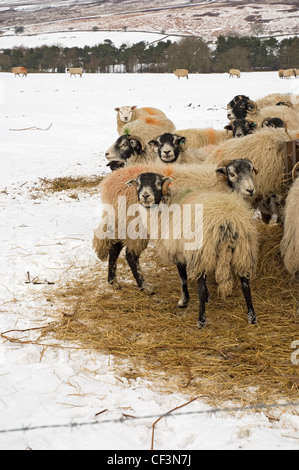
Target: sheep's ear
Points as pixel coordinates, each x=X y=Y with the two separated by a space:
x=136 y=142
x=165 y=185
x=116 y=109
x=221 y=173
x=255 y=171
x=153 y=144
x=183 y=142
x=131 y=183
x=252 y=124
x=133 y=107
x=229 y=127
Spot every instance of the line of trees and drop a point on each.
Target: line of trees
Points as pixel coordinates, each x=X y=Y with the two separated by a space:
x=193 y=53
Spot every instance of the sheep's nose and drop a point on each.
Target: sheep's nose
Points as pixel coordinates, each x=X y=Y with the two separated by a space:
x=166 y=152
x=145 y=196
x=239 y=134
x=107 y=154
x=250 y=192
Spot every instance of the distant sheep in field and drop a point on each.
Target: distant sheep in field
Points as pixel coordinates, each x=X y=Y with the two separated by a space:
x=229 y=243
x=181 y=73
x=234 y=73
x=19 y=71
x=197 y=138
x=290 y=241
x=288 y=73
x=264 y=149
x=76 y=71
x=227 y=176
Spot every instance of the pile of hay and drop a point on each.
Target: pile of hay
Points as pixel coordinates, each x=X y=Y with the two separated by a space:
x=227 y=360
x=67 y=183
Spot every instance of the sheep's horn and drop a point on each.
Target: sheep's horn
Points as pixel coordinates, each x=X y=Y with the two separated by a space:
x=135 y=137
x=251 y=107
x=295 y=170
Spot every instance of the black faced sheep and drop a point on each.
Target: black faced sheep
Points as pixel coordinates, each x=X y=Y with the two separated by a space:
x=221 y=237
x=226 y=176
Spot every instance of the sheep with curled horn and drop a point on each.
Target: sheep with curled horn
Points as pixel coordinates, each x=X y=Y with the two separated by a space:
x=290 y=241
x=229 y=243
x=236 y=175
x=128 y=150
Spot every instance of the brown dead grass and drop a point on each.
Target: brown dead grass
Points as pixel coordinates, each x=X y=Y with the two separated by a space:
x=227 y=360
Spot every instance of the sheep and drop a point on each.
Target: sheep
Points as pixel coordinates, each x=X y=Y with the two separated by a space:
x=280 y=73
x=201 y=137
x=290 y=241
x=128 y=150
x=149 y=128
x=229 y=242
x=227 y=176
x=239 y=106
x=181 y=73
x=234 y=72
x=126 y=114
x=289 y=73
x=289 y=115
x=273 y=122
x=241 y=127
x=247 y=109
x=19 y=70
x=172 y=148
x=265 y=150
x=75 y=71
x=287 y=99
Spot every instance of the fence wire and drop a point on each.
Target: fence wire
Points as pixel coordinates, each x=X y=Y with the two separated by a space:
x=123 y=418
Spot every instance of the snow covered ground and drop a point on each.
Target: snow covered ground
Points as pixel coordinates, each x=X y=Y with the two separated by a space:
x=53 y=126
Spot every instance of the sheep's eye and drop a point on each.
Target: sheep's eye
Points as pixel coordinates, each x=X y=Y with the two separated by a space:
x=232 y=175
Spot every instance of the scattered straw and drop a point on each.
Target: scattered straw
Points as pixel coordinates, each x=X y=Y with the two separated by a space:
x=227 y=360
x=67 y=183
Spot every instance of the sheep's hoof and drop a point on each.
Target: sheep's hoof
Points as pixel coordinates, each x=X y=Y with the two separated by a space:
x=115 y=285
x=147 y=289
x=201 y=324
x=183 y=303
x=252 y=320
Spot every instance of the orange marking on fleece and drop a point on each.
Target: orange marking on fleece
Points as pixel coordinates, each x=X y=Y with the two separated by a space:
x=152 y=121
x=168 y=171
x=149 y=111
x=211 y=135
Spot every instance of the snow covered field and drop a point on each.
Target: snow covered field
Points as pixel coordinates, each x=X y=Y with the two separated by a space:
x=54 y=126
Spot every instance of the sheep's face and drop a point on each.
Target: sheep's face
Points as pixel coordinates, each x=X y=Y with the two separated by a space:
x=168 y=147
x=125 y=113
x=125 y=147
x=273 y=122
x=239 y=176
x=241 y=127
x=239 y=108
x=151 y=188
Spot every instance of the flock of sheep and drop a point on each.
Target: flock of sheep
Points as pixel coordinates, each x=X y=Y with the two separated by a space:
x=156 y=165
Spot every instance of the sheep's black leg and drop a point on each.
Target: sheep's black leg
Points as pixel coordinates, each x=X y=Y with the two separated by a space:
x=203 y=297
x=133 y=262
x=112 y=261
x=247 y=295
x=183 y=302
